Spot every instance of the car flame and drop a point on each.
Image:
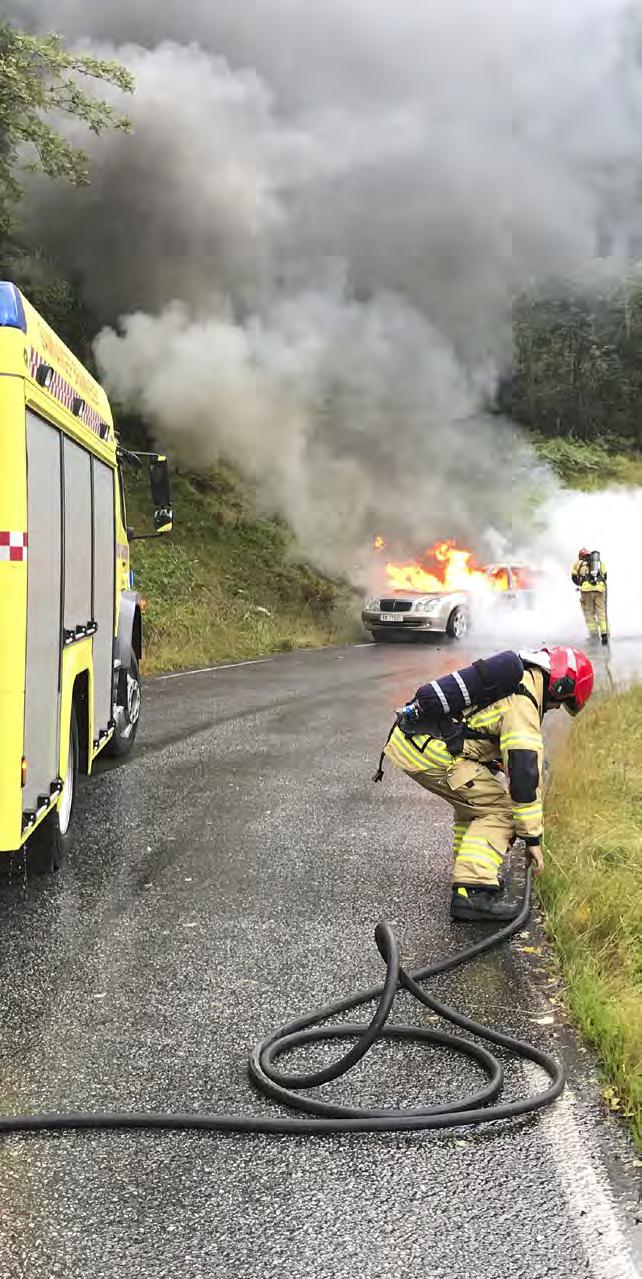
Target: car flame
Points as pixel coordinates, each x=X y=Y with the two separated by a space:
x=442 y=567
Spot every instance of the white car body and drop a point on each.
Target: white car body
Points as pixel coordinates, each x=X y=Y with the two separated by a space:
x=406 y=612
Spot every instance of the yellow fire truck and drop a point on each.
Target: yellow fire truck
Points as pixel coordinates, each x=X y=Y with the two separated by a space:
x=70 y=624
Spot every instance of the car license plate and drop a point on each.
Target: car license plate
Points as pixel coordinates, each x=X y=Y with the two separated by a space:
x=391 y=617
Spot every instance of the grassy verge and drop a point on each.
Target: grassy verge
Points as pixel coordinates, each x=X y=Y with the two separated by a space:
x=590 y=466
x=593 y=886
x=224 y=586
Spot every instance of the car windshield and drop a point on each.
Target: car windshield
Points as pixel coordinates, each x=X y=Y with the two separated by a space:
x=498 y=577
x=524 y=578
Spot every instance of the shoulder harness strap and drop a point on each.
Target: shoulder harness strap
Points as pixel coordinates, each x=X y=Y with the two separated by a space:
x=522 y=691
x=482 y=735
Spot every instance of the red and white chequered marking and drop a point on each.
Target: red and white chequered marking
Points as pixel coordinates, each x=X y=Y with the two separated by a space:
x=13 y=547
x=66 y=394
x=34 y=362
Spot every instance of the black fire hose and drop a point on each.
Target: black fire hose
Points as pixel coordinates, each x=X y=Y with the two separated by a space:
x=329 y=1117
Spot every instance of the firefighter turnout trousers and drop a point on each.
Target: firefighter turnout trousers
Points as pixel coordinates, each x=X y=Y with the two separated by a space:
x=594 y=610
x=484 y=824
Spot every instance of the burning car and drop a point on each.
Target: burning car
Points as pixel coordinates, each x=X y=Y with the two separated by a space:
x=405 y=612
x=438 y=596
x=515 y=584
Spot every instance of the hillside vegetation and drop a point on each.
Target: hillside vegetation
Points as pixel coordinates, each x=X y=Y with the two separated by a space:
x=224 y=586
x=590 y=465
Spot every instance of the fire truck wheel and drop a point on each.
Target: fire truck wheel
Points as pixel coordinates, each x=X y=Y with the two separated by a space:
x=127 y=710
x=48 y=846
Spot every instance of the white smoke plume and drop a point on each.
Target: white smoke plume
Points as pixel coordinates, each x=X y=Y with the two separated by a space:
x=314 y=236
x=611 y=522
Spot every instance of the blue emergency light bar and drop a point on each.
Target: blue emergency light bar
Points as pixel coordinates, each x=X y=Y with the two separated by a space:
x=12 y=312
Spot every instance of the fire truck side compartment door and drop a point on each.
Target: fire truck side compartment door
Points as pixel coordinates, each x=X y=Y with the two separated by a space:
x=43 y=609
x=104 y=588
x=77 y=490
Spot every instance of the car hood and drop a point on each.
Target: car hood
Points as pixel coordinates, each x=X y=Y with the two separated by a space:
x=412 y=597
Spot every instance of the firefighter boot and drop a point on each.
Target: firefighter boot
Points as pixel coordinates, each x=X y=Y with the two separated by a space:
x=470 y=902
x=605 y=639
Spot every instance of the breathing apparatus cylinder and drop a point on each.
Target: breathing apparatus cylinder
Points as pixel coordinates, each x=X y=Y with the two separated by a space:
x=472 y=687
x=437 y=707
x=595 y=567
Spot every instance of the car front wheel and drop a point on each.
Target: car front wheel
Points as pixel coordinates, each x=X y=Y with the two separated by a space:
x=457 y=627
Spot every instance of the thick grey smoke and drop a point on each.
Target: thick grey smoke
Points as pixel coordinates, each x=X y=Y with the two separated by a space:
x=316 y=231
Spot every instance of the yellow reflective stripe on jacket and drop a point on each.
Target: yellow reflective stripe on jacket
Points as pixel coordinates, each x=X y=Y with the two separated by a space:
x=490 y=715
x=490 y=719
x=525 y=741
x=429 y=750
x=480 y=841
x=436 y=751
x=527 y=809
x=399 y=751
x=459 y=831
x=408 y=756
x=528 y=818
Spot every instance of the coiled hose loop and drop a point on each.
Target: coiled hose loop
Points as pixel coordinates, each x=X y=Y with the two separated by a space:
x=323 y=1117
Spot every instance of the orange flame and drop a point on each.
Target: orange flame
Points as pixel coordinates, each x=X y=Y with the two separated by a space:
x=443 y=567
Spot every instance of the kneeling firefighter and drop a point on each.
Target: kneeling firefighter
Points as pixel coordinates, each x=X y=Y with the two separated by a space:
x=460 y=731
x=589 y=575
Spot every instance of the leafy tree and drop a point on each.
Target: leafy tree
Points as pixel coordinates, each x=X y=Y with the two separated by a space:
x=577 y=369
x=40 y=80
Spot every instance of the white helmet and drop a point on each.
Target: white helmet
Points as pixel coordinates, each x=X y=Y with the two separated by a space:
x=539 y=657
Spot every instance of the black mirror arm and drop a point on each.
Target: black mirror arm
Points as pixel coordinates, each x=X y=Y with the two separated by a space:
x=125 y=455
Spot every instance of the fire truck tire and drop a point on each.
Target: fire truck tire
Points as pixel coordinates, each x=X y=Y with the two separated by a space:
x=49 y=844
x=128 y=712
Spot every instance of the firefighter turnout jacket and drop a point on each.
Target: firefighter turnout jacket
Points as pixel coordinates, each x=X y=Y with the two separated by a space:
x=510 y=738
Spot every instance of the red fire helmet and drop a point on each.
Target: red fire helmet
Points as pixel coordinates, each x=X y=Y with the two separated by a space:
x=570 y=675
x=571 y=679
x=584 y=553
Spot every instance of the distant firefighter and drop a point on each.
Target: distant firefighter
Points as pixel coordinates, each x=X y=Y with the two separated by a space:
x=589 y=575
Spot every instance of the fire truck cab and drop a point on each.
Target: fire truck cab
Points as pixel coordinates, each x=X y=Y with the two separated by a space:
x=70 y=624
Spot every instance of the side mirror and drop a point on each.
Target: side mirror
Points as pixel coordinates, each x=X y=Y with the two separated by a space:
x=159 y=483
x=161 y=490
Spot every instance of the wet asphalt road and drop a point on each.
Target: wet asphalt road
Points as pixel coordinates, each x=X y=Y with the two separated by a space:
x=225 y=879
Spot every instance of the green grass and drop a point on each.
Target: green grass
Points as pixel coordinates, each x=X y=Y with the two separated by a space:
x=590 y=465
x=592 y=888
x=224 y=586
